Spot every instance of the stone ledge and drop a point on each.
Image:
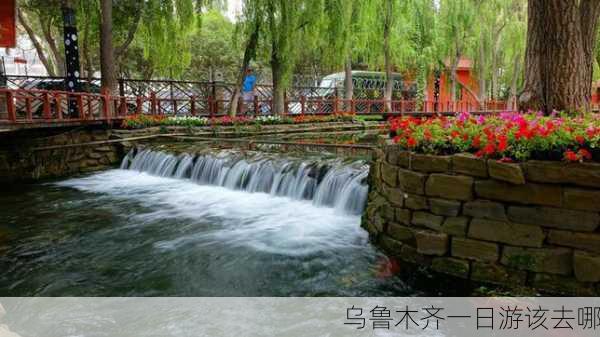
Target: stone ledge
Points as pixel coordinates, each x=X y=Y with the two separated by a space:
x=506 y=232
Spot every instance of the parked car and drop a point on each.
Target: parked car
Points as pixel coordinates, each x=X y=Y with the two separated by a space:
x=368 y=85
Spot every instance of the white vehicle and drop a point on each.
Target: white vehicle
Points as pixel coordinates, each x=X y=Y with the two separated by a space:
x=367 y=85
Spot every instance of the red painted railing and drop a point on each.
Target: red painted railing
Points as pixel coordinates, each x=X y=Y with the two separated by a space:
x=20 y=106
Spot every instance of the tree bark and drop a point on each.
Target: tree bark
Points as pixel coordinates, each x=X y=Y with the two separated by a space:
x=59 y=60
x=559 y=55
x=348 y=84
x=278 y=88
x=38 y=46
x=389 y=83
x=107 y=64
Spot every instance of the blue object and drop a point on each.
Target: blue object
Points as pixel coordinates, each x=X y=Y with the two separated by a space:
x=249 y=82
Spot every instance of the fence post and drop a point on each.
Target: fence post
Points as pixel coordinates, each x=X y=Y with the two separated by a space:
x=152 y=103
x=139 y=105
x=47 y=114
x=106 y=104
x=82 y=113
x=59 y=114
x=193 y=105
x=121 y=87
x=123 y=106
x=256 y=108
x=302 y=105
x=335 y=104
x=10 y=101
x=211 y=108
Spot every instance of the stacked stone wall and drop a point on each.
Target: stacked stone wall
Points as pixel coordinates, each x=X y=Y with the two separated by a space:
x=533 y=224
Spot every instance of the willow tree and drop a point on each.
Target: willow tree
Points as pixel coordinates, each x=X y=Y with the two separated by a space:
x=423 y=38
x=457 y=18
x=561 y=40
x=290 y=25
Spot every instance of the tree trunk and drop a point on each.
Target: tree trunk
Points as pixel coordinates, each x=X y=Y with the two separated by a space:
x=59 y=60
x=559 y=55
x=348 y=84
x=389 y=83
x=515 y=79
x=107 y=64
x=454 y=80
x=482 y=65
x=278 y=87
x=249 y=54
x=38 y=46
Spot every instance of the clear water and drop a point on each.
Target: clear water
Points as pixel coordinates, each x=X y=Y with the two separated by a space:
x=124 y=233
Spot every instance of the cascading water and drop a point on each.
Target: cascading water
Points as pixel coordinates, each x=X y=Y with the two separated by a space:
x=330 y=183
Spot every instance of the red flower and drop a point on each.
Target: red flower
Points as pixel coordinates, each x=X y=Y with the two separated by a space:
x=411 y=142
x=489 y=149
x=580 y=139
x=476 y=141
x=502 y=143
x=585 y=154
x=427 y=134
x=571 y=156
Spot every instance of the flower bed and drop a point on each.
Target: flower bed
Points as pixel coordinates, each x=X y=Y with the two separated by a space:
x=142 y=121
x=506 y=136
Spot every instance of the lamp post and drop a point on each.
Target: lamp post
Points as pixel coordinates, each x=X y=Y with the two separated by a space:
x=71 y=54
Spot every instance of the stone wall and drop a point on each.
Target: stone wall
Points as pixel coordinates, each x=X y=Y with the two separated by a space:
x=533 y=224
x=40 y=154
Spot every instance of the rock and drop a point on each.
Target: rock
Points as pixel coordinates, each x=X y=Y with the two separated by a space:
x=587 y=267
x=403 y=216
x=582 y=174
x=541 y=260
x=451 y=266
x=401 y=233
x=455 y=226
x=558 y=284
x=394 y=195
x=392 y=155
x=424 y=219
x=403 y=159
x=587 y=200
x=528 y=194
x=506 y=232
x=485 y=209
x=431 y=243
x=555 y=218
x=410 y=254
x=508 y=172
x=497 y=274
x=450 y=187
x=415 y=202
x=444 y=207
x=94 y=155
x=468 y=164
x=475 y=250
x=411 y=182
x=391 y=246
x=388 y=212
x=584 y=241
x=389 y=174
x=373 y=225
x=430 y=163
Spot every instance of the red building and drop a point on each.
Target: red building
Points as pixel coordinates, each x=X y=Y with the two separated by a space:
x=466 y=90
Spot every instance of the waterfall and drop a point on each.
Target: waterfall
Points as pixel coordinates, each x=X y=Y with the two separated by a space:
x=329 y=183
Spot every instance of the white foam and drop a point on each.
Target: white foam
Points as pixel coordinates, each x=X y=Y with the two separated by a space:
x=258 y=220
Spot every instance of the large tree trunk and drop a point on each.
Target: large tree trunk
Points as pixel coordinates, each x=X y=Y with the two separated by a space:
x=249 y=54
x=38 y=46
x=107 y=62
x=348 y=84
x=389 y=83
x=559 y=55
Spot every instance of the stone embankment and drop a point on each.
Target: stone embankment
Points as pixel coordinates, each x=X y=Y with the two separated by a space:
x=533 y=224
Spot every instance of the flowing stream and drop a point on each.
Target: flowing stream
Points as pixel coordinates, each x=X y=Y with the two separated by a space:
x=222 y=223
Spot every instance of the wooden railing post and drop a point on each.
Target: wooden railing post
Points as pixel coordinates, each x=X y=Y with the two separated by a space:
x=256 y=107
x=353 y=106
x=335 y=104
x=106 y=104
x=153 y=103
x=139 y=105
x=122 y=106
x=82 y=113
x=58 y=106
x=47 y=113
x=211 y=108
x=193 y=105
x=302 y=105
x=10 y=106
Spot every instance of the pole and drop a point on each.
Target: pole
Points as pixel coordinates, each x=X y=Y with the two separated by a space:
x=71 y=55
